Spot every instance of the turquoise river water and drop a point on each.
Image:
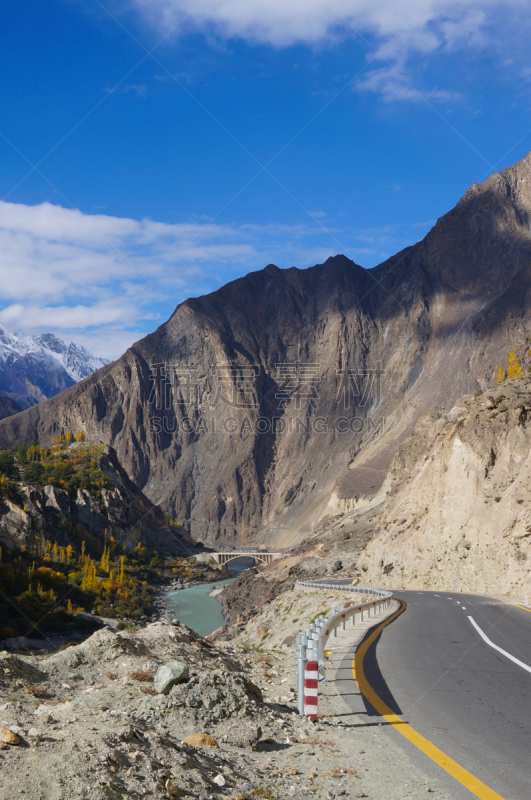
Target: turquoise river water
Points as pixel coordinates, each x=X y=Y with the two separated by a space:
x=196 y=609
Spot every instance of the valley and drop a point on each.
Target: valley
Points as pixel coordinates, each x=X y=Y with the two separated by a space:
x=364 y=425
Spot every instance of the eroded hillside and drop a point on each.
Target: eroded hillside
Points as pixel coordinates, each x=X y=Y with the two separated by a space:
x=458 y=509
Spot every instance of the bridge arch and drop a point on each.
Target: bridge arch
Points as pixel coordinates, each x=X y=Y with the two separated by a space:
x=223 y=557
x=226 y=558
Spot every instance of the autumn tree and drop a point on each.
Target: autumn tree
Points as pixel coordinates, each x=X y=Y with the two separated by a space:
x=515 y=368
x=501 y=374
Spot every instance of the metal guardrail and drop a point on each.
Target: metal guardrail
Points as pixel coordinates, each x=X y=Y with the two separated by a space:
x=312 y=642
x=345 y=587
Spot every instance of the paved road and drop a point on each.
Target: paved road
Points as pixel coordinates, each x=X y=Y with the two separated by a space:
x=432 y=667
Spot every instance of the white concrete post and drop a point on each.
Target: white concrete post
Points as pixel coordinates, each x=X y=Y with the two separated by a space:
x=301 y=665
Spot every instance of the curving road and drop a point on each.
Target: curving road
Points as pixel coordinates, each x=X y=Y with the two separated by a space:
x=433 y=667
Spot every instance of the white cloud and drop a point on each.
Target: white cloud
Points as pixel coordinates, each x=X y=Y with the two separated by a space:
x=396 y=29
x=109 y=280
x=425 y=26
x=394 y=85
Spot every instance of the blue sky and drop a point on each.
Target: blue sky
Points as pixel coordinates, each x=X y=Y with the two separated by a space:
x=152 y=150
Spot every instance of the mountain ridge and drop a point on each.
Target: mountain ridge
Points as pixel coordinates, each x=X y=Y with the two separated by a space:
x=436 y=319
x=34 y=368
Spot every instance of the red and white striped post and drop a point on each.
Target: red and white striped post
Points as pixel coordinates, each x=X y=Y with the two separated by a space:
x=311 y=682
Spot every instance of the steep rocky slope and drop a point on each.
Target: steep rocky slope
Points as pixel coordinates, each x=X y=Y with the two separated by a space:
x=458 y=507
x=122 y=509
x=259 y=410
x=8 y=407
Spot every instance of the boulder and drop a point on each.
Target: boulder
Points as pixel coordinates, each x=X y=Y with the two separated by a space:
x=171 y=788
x=201 y=740
x=169 y=675
x=8 y=736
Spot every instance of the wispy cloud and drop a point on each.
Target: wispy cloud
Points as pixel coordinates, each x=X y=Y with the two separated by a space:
x=110 y=280
x=393 y=85
x=396 y=32
x=138 y=89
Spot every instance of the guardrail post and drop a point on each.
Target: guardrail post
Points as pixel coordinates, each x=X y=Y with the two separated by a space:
x=342 y=623
x=307 y=635
x=301 y=666
x=312 y=642
x=311 y=683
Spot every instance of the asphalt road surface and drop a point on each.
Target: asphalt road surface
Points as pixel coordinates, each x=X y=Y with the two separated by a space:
x=433 y=667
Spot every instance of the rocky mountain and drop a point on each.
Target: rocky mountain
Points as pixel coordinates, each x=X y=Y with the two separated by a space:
x=8 y=407
x=458 y=500
x=260 y=410
x=33 y=368
x=122 y=510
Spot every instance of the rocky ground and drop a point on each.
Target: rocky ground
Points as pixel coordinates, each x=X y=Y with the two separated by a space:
x=87 y=723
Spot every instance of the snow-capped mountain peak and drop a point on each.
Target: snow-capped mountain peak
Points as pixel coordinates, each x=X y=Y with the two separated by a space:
x=33 y=368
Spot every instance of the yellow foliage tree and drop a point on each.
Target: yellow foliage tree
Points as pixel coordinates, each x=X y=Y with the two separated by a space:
x=69 y=552
x=501 y=374
x=515 y=368
x=106 y=559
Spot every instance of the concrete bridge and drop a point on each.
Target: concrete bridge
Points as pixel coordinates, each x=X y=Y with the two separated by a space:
x=223 y=557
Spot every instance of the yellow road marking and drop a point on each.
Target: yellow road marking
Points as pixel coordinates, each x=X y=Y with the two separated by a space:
x=511 y=603
x=450 y=766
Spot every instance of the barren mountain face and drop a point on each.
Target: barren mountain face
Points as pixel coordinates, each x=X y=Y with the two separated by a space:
x=8 y=407
x=457 y=508
x=280 y=399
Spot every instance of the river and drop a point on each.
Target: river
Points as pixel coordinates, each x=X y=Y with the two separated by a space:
x=196 y=609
